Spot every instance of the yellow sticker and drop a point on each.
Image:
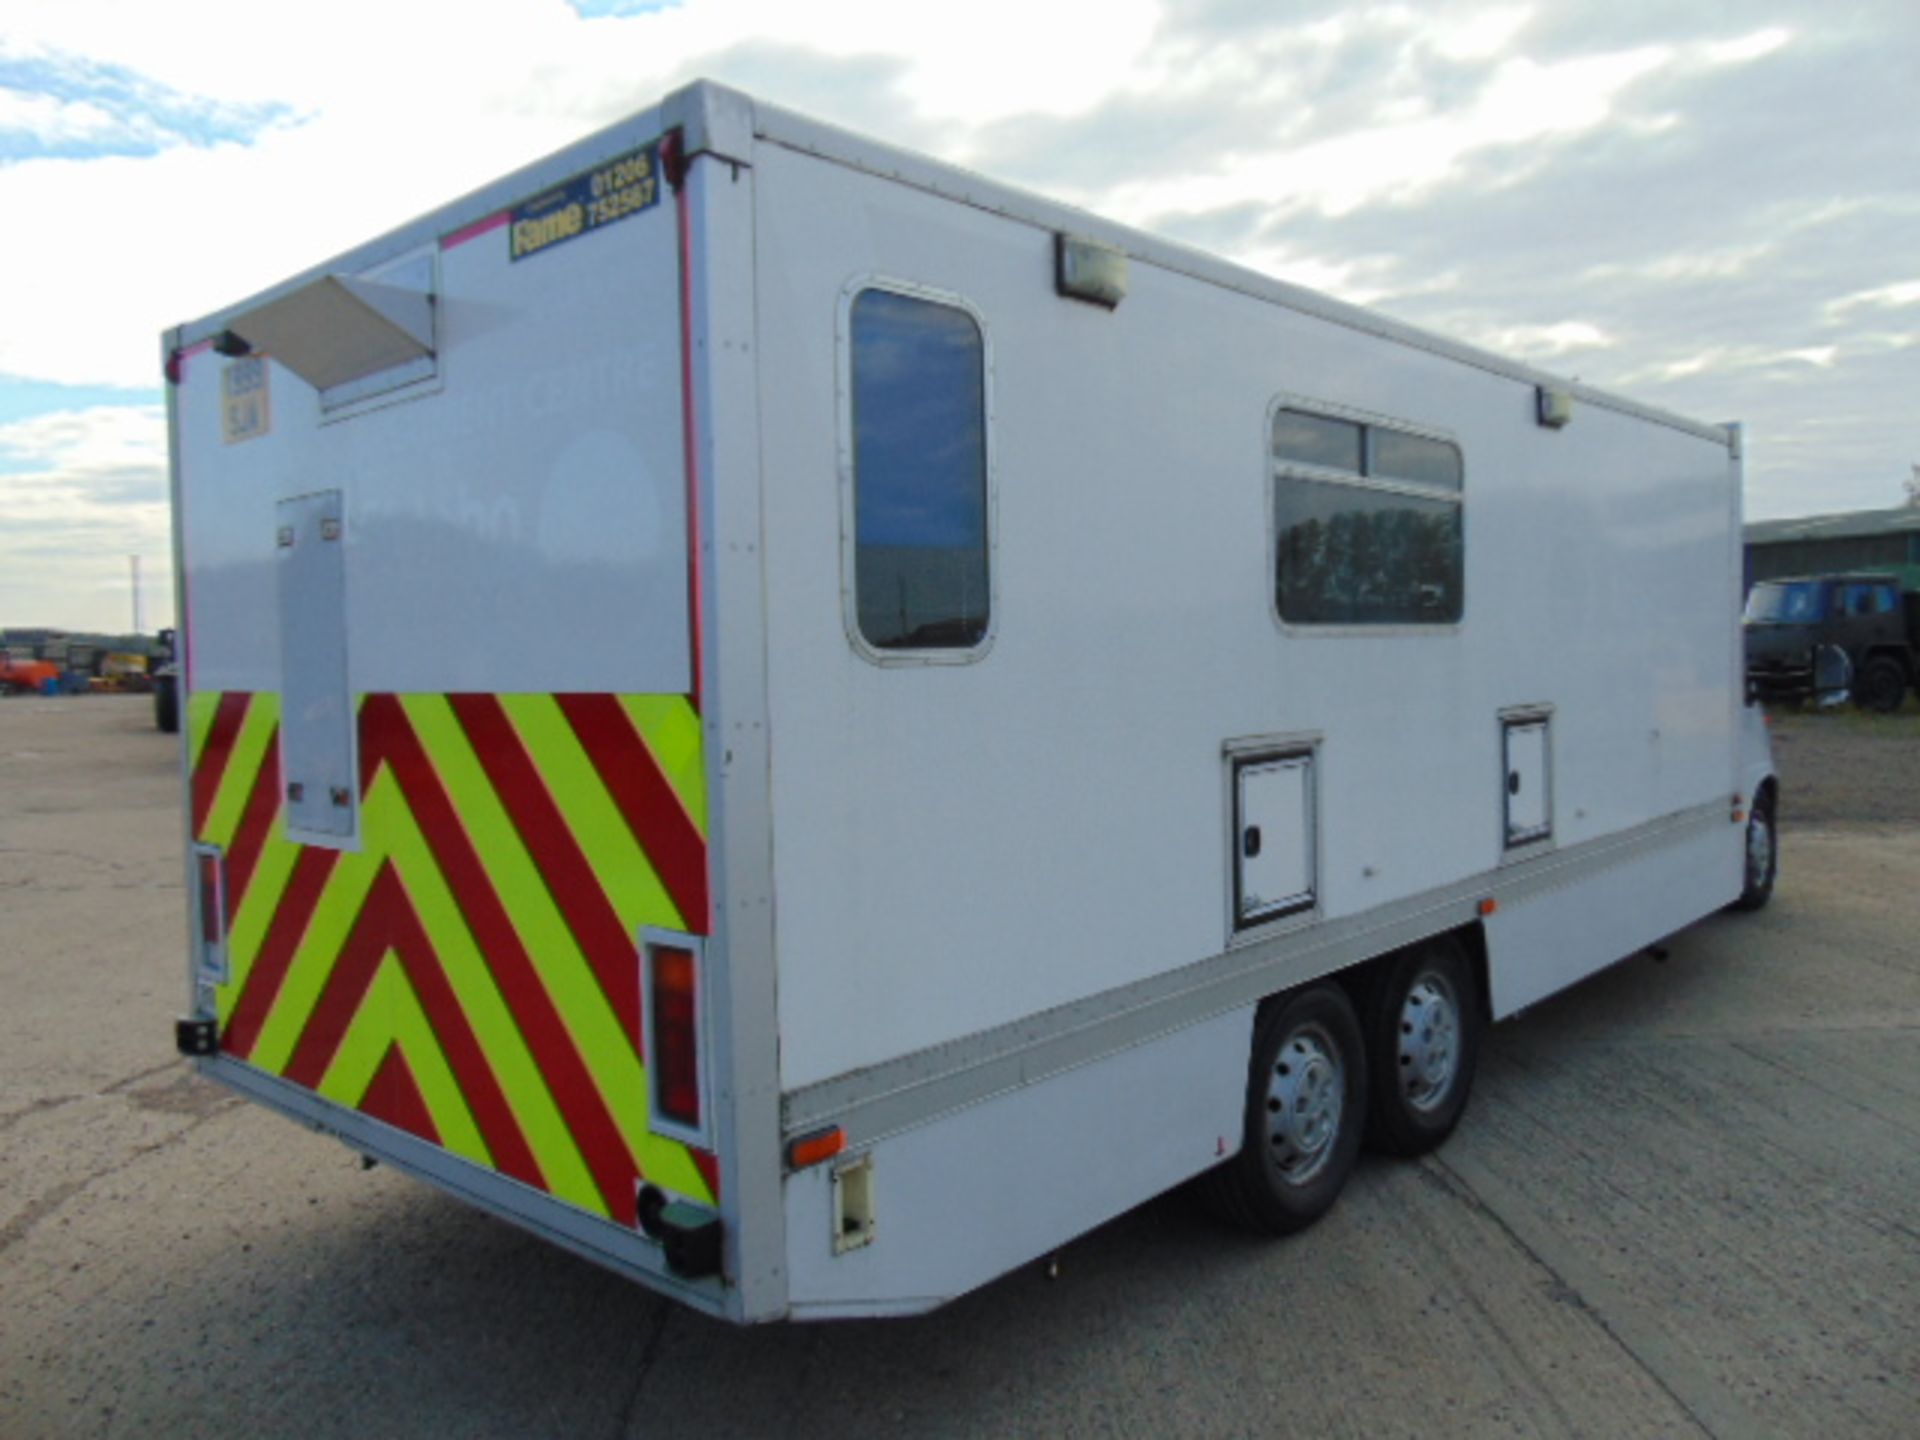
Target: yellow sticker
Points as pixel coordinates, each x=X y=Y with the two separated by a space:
x=244 y=413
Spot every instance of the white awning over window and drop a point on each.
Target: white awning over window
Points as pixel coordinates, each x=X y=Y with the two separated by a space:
x=339 y=329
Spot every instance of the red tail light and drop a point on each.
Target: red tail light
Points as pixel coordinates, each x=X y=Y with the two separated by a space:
x=675 y=1051
x=212 y=915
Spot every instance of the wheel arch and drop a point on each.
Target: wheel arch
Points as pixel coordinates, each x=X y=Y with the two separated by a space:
x=1900 y=655
x=1360 y=978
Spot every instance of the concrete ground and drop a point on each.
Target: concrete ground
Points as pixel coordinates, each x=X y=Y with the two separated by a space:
x=1686 y=1199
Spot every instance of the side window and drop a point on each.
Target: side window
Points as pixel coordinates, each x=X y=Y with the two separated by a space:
x=1869 y=600
x=1368 y=523
x=920 y=510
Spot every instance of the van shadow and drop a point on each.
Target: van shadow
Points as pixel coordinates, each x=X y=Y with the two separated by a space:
x=403 y=1312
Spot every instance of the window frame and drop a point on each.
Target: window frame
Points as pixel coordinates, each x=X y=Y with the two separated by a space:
x=1278 y=470
x=888 y=657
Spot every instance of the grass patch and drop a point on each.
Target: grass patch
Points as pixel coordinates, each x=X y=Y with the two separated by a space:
x=1903 y=723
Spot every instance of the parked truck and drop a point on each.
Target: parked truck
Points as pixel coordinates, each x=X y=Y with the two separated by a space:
x=1833 y=636
x=165 y=676
x=1048 y=715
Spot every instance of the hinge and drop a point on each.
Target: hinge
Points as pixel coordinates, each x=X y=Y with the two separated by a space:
x=196 y=1035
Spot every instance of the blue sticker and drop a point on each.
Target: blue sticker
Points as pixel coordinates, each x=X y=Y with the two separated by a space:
x=625 y=185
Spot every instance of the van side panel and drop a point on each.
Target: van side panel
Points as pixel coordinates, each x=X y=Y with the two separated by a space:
x=961 y=846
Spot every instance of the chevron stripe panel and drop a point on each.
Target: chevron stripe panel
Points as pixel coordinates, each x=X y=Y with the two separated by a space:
x=470 y=974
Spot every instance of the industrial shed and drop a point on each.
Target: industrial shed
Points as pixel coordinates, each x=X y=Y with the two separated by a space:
x=1880 y=540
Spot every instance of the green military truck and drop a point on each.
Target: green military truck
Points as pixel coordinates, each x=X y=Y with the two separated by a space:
x=1824 y=636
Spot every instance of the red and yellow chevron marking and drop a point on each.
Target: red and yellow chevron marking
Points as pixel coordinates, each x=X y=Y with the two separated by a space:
x=470 y=974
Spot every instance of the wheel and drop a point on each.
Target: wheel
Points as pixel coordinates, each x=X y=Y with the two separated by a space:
x=1306 y=1109
x=1763 y=856
x=166 y=705
x=1423 y=1041
x=1881 y=686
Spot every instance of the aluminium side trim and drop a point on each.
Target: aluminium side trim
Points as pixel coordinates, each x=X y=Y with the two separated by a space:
x=909 y=1091
x=584 y=1234
x=744 y=1021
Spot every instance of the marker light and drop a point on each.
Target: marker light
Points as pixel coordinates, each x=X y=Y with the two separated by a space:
x=212 y=916
x=813 y=1148
x=1087 y=270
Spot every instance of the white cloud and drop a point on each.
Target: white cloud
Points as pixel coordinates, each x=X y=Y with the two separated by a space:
x=1720 y=264
x=1240 y=128
x=1542 y=342
x=80 y=491
x=105 y=437
x=1746 y=48
x=1733 y=359
x=1885 y=297
x=1480 y=35
x=56 y=121
x=104 y=253
x=1400 y=162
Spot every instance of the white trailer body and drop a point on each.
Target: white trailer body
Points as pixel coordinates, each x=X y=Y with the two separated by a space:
x=744 y=671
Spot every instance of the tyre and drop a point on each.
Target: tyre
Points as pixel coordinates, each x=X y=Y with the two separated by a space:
x=1305 y=1115
x=1763 y=855
x=1423 y=1042
x=166 y=705
x=1881 y=686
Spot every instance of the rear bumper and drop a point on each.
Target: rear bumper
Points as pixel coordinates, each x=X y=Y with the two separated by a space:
x=1780 y=682
x=625 y=1251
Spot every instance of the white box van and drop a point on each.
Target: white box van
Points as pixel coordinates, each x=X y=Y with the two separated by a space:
x=810 y=726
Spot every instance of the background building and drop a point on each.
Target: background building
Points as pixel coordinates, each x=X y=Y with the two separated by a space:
x=1879 y=540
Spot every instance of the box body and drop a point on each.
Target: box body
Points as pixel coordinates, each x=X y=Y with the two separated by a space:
x=614 y=647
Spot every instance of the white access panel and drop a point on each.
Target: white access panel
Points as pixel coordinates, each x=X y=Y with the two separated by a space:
x=316 y=714
x=1529 y=789
x=1273 y=838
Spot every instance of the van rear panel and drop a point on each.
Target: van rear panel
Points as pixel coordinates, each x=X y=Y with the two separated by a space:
x=444 y=745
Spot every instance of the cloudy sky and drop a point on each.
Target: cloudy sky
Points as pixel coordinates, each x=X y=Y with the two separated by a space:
x=1711 y=206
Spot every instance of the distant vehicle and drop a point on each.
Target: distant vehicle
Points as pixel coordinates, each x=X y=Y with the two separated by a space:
x=166 y=686
x=28 y=677
x=1864 y=617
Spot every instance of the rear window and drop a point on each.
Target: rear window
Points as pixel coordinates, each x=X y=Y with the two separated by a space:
x=919 y=473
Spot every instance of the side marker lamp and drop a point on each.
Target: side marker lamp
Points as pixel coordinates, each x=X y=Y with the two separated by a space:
x=1087 y=270
x=812 y=1149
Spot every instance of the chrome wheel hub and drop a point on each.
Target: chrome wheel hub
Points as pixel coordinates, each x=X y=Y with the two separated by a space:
x=1429 y=1041
x=1306 y=1094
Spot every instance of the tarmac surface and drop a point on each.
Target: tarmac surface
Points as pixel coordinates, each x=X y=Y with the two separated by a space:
x=1685 y=1200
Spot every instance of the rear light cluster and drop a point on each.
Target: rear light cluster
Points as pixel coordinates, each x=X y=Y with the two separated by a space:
x=210 y=903
x=674 y=1054
x=673 y=1010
